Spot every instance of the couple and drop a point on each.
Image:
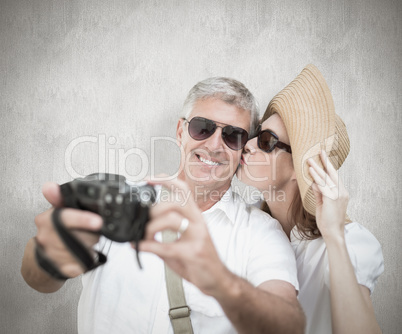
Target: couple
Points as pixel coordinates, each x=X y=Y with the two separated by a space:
x=239 y=268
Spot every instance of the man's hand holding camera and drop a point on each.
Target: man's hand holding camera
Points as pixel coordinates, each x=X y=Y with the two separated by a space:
x=193 y=255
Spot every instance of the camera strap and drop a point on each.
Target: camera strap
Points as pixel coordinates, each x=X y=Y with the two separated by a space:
x=179 y=312
x=81 y=253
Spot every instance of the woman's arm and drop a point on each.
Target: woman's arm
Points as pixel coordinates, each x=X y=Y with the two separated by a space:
x=352 y=310
x=351 y=307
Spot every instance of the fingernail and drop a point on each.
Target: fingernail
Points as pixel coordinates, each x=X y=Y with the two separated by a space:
x=96 y=222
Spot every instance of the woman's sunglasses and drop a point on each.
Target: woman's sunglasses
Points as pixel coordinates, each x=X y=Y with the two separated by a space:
x=268 y=140
x=201 y=128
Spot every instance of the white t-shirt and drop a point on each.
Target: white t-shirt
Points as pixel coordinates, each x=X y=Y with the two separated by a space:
x=313 y=272
x=118 y=297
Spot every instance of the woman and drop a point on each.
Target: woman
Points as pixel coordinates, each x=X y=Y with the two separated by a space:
x=338 y=261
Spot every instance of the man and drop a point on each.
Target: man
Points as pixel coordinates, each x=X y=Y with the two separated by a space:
x=238 y=267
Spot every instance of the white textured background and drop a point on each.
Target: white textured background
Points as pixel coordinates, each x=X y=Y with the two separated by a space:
x=118 y=72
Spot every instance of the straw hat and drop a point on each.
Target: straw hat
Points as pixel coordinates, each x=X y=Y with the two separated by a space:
x=307 y=109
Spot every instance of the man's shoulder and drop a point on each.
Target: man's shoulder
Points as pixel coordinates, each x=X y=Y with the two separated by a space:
x=254 y=215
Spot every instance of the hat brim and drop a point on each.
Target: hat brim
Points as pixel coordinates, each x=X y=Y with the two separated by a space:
x=307 y=110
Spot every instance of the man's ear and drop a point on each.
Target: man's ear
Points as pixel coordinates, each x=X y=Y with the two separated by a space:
x=179 y=131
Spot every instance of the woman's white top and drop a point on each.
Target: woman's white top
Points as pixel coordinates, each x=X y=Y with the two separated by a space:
x=313 y=272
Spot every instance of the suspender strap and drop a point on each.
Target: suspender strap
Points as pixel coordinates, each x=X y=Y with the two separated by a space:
x=179 y=312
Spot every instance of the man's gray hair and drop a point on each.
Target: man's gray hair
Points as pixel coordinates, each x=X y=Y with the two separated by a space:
x=228 y=90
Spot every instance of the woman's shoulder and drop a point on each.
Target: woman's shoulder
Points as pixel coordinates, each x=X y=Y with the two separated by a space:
x=357 y=235
x=364 y=249
x=365 y=253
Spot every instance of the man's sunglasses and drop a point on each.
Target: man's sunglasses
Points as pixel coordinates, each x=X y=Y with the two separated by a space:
x=268 y=140
x=201 y=128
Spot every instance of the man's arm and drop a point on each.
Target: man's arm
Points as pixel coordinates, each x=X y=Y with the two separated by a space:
x=270 y=308
x=54 y=248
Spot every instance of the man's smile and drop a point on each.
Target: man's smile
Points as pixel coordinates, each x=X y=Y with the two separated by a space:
x=209 y=161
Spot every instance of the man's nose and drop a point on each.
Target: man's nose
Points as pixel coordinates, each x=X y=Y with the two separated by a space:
x=215 y=142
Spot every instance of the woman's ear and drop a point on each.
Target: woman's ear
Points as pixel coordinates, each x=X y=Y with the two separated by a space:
x=293 y=176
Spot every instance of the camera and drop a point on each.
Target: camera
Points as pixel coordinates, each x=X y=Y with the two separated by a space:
x=123 y=205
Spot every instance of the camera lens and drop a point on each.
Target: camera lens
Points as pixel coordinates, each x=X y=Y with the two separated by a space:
x=91 y=191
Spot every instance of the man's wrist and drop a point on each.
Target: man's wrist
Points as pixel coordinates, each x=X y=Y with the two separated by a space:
x=230 y=287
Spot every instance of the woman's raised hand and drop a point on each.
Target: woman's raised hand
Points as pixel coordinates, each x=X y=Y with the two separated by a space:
x=331 y=198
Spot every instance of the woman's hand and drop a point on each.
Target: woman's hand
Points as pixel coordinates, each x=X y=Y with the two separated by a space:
x=331 y=198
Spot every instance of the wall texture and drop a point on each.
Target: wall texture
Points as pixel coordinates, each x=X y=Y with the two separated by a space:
x=82 y=83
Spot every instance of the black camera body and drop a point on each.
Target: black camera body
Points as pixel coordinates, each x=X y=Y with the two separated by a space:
x=124 y=206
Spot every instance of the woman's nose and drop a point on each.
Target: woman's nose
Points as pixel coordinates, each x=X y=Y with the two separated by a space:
x=250 y=146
